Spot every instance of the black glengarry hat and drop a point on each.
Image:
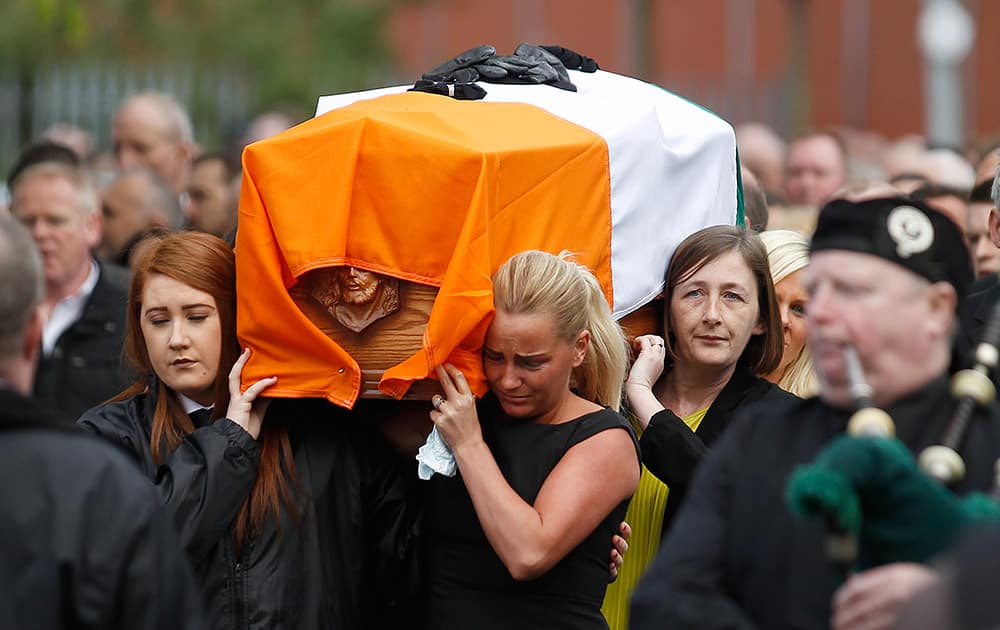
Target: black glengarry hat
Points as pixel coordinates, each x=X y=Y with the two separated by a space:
x=903 y=231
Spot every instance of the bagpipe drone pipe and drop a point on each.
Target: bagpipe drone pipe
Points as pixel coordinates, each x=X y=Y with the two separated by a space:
x=879 y=504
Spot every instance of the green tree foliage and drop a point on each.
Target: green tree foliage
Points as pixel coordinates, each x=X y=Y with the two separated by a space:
x=291 y=51
x=284 y=52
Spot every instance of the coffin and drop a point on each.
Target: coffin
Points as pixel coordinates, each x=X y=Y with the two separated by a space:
x=430 y=195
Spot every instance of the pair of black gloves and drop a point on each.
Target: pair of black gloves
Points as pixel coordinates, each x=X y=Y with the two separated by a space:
x=528 y=65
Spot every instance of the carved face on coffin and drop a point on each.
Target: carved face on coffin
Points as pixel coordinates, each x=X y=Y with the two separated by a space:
x=354 y=297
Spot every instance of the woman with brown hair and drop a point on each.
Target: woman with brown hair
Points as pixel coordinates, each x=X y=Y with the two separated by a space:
x=722 y=329
x=285 y=521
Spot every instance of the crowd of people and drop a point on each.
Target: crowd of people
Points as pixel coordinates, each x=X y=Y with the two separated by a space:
x=218 y=506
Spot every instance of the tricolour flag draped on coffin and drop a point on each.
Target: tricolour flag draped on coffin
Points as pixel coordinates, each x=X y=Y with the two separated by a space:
x=441 y=192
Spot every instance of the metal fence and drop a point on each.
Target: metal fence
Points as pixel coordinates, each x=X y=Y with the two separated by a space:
x=87 y=94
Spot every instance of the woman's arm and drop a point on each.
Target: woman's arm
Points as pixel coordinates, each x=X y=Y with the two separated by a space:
x=206 y=479
x=671 y=450
x=591 y=479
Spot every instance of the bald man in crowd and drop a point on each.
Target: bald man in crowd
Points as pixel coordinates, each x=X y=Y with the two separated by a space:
x=136 y=203
x=815 y=168
x=152 y=130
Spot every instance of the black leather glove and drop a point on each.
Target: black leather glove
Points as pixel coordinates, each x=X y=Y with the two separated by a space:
x=459 y=91
x=573 y=60
x=451 y=70
x=528 y=64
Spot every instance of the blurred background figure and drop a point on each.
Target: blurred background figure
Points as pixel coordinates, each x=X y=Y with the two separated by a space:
x=79 y=140
x=152 y=130
x=945 y=167
x=902 y=156
x=815 y=167
x=42 y=151
x=948 y=200
x=985 y=291
x=135 y=204
x=788 y=255
x=268 y=124
x=754 y=202
x=987 y=165
x=84 y=305
x=763 y=152
x=213 y=194
x=985 y=254
x=950 y=179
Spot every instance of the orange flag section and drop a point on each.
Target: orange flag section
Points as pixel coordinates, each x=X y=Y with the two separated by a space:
x=416 y=186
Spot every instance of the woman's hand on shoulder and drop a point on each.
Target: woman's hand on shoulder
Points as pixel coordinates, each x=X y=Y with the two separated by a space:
x=247 y=408
x=454 y=414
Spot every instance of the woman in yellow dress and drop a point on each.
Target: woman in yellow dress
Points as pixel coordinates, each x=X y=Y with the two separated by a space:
x=722 y=329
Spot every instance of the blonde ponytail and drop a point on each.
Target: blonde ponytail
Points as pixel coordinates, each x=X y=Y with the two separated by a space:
x=539 y=282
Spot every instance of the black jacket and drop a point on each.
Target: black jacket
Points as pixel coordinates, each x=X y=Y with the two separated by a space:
x=344 y=563
x=975 y=314
x=736 y=558
x=84 y=542
x=672 y=452
x=85 y=366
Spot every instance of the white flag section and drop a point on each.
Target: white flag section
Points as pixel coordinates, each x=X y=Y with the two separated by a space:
x=672 y=167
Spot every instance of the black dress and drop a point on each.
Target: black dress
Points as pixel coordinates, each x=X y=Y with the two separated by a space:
x=469 y=585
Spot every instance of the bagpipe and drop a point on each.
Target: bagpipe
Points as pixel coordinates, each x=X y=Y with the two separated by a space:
x=879 y=504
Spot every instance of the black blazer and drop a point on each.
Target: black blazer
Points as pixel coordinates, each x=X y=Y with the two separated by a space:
x=85 y=367
x=975 y=313
x=672 y=451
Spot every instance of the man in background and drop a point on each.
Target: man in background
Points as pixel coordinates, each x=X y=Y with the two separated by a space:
x=985 y=253
x=815 y=168
x=84 y=540
x=85 y=302
x=152 y=130
x=213 y=195
x=136 y=203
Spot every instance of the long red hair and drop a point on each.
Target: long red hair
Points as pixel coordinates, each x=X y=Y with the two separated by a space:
x=206 y=263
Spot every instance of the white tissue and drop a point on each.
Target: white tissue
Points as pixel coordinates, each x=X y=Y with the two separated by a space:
x=435 y=457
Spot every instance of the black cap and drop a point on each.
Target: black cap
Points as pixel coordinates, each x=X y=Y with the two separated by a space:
x=903 y=231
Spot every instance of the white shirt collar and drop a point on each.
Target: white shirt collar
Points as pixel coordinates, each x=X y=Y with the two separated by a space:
x=68 y=310
x=190 y=405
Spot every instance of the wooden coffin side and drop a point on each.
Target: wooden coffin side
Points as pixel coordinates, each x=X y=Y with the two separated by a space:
x=396 y=337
